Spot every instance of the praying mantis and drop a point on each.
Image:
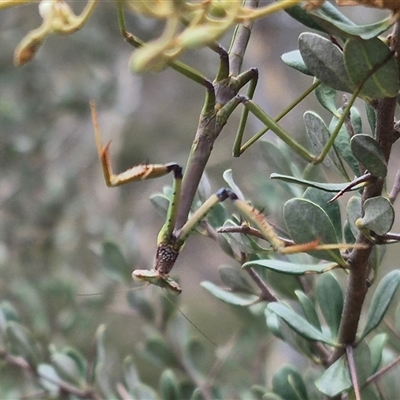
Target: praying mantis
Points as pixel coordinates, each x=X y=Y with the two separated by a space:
x=222 y=98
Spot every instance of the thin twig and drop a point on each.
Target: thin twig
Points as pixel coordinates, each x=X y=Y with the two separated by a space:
x=396 y=187
x=353 y=371
x=381 y=372
x=266 y=293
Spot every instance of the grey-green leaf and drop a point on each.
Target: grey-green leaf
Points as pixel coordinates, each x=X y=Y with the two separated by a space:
x=327 y=11
x=319 y=135
x=342 y=141
x=330 y=300
x=308 y=309
x=299 y=324
x=49 y=379
x=381 y=300
x=114 y=263
x=294 y=60
x=197 y=354
x=327 y=187
x=306 y=221
x=67 y=368
x=376 y=346
x=378 y=215
x=336 y=379
x=159 y=352
x=321 y=198
x=160 y=203
x=21 y=342
x=236 y=299
x=131 y=375
x=361 y=57
x=347 y=29
x=325 y=61
x=286 y=267
x=367 y=150
x=169 y=385
x=233 y=279
x=327 y=98
x=353 y=211
x=288 y=384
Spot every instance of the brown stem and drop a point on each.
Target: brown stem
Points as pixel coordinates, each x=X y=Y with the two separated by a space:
x=358 y=260
x=266 y=293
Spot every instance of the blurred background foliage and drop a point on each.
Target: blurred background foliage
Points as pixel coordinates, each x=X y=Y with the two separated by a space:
x=55 y=208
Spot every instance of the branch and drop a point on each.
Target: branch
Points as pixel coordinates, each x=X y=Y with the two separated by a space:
x=358 y=260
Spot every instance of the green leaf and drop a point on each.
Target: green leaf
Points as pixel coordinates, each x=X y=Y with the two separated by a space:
x=325 y=61
x=332 y=210
x=330 y=300
x=131 y=376
x=342 y=141
x=138 y=302
x=276 y=156
x=361 y=57
x=114 y=263
x=290 y=268
x=327 y=187
x=217 y=216
x=353 y=211
x=49 y=379
x=102 y=373
x=371 y=116
x=299 y=324
x=362 y=359
x=370 y=392
x=347 y=29
x=306 y=18
x=21 y=343
x=143 y=391
x=7 y=313
x=236 y=299
x=356 y=120
x=348 y=234
x=159 y=352
x=233 y=279
x=228 y=178
x=367 y=150
x=378 y=215
x=67 y=368
x=78 y=359
x=380 y=302
x=336 y=379
x=308 y=309
x=169 y=387
x=198 y=356
x=288 y=383
x=319 y=135
x=375 y=258
x=271 y=396
x=376 y=346
x=305 y=222
x=161 y=203
x=327 y=98
x=274 y=324
x=294 y=60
